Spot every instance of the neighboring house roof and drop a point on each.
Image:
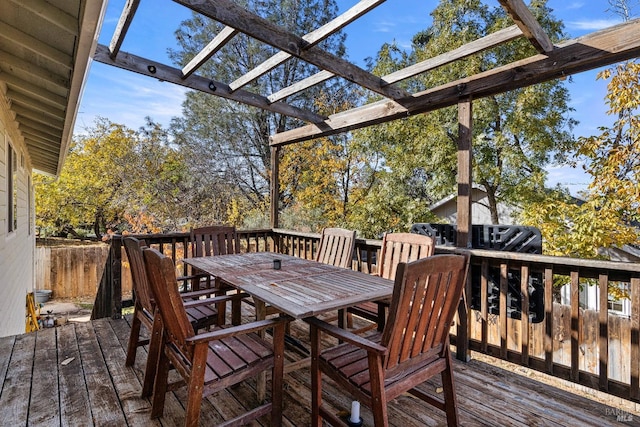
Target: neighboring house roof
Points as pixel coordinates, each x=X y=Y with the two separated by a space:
x=446 y=208
x=453 y=197
x=45 y=49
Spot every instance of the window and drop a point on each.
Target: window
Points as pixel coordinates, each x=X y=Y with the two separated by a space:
x=615 y=305
x=12 y=189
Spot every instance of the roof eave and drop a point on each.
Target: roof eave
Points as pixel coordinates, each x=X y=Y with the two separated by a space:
x=90 y=22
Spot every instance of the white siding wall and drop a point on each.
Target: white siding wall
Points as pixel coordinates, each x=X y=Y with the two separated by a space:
x=16 y=248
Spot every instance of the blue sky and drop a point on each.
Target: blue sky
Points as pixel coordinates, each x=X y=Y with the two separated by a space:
x=127 y=98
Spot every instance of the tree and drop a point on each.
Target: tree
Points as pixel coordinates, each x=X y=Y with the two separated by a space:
x=318 y=177
x=610 y=213
x=515 y=134
x=613 y=157
x=86 y=193
x=228 y=143
x=116 y=178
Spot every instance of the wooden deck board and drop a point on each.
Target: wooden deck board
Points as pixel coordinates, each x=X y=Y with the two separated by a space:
x=74 y=399
x=100 y=385
x=173 y=410
x=127 y=386
x=6 y=348
x=14 y=399
x=44 y=409
x=95 y=388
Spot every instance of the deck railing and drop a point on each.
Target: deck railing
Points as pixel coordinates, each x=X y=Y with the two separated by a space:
x=512 y=311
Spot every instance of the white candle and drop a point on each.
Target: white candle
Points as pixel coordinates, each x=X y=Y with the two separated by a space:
x=355 y=411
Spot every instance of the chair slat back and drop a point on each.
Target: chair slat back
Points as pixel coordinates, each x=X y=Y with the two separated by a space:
x=425 y=299
x=402 y=247
x=336 y=247
x=134 y=248
x=164 y=289
x=214 y=240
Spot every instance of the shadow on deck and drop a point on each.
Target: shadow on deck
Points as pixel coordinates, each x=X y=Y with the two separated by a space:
x=75 y=375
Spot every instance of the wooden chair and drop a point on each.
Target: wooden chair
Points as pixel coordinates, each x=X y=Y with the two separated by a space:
x=214 y=360
x=210 y=241
x=396 y=248
x=413 y=347
x=214 y=240
x=201 y=316
x=336 y=247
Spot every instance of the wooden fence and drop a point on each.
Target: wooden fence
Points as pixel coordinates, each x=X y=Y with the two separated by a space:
x=70 y=271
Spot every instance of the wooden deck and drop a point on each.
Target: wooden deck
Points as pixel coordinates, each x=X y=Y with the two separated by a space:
x=74 y=375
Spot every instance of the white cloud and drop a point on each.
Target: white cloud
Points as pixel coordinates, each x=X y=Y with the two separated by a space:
x=591 y=24
x=575 y=5
x=127 y=98
x=384 y=26
x=575 y=179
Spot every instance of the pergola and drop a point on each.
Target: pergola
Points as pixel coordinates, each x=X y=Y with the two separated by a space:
x=611 y=45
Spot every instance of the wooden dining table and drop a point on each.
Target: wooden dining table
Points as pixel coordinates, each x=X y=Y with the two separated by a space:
x=300 y=288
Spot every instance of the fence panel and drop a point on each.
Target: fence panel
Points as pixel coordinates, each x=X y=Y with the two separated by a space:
x=70 y=271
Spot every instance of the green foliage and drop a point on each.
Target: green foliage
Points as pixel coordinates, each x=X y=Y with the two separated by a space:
x=413 y=162
x=612 y=207
x=612 y=156
x=116 y=179
x=87 y=191
x=228 y=143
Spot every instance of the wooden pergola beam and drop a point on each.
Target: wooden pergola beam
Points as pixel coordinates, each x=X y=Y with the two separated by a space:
x=312 y=38
x=618 y=43
x=529 y=25
x=300 y=86
x=218 y=42
x=166 y=73
x=229 y=13
x=487 y=42
x=124 y=22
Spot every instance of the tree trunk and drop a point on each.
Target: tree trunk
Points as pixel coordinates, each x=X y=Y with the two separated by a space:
x=493 y=204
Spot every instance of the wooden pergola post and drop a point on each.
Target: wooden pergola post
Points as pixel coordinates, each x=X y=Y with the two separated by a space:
x=465 y=126
x=464 y=218
x=275 y=186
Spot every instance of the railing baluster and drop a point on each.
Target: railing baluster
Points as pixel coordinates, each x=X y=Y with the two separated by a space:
x=575 y=325
x=548 y=320
x=603 y=332
x=504 y=288
x=524 y=316
x=484 y=304
x=634 y=393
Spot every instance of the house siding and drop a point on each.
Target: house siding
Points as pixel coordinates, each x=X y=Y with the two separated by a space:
x=17 y=247
x=480 y=213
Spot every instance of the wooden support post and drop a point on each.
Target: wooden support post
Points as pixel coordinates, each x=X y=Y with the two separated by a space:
x=108 y=302
x=465 y=127
x=275 y=186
